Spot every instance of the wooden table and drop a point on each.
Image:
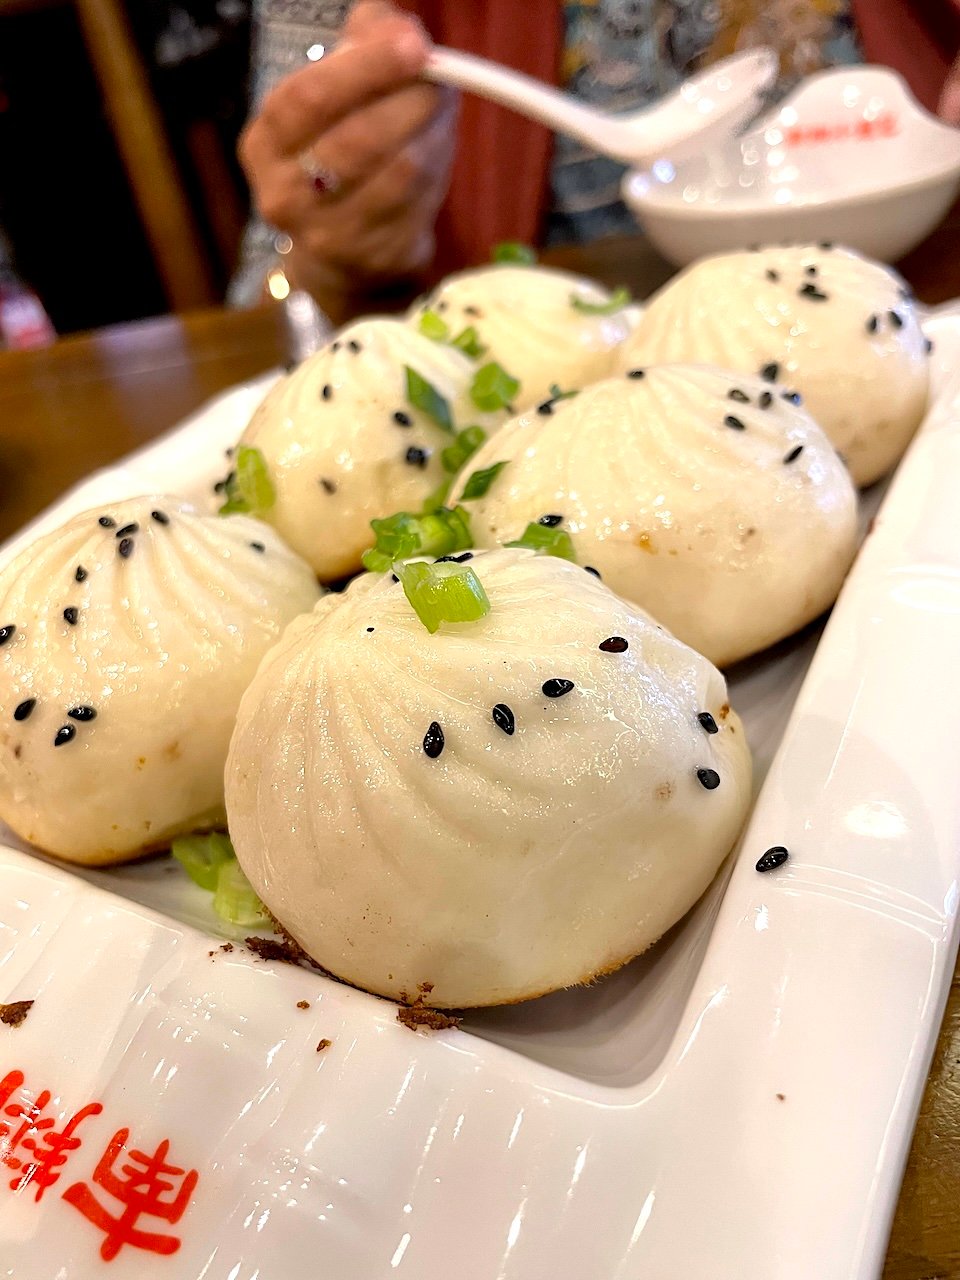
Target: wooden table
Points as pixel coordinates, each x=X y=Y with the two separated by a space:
x=87 y=401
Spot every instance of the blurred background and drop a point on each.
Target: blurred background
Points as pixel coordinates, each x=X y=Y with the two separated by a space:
x=120 y=193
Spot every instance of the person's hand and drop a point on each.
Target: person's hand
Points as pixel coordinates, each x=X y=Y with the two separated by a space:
x=351 y=157
x=948 y=108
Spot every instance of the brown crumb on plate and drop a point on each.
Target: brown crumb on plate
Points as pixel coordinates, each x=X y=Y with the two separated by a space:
x=414 y=1017
x=303 y=1004
x=781 y=1097
x=11 y=1015
x=324 y=1044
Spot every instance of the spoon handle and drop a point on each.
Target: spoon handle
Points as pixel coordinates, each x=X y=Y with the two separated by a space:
x=522 y=93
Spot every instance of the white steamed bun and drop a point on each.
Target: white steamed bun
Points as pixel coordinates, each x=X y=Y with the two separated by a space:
x=343 y=445
x=128 y=636
x=526 y=319
x=707 y=498
x=496 y=810
x=840 y=329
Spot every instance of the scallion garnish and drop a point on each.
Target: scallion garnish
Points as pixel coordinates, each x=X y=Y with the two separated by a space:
x=234 y=899
x=469 y=343
x=425 y=397
x=437 y=498
x=443 y=592
x=619 y=299
x=404 y=535
x=456 y=456
x=551 y=541
x=492 y=387
x=211 y=863
x=202 y=857
x=249 y=487
x=514 y=251
x=433 y=326
x=480 y=481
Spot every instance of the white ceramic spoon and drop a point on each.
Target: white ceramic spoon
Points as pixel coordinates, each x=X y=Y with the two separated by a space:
x=724 y=95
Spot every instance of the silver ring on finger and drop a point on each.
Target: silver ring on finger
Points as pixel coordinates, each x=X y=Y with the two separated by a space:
x=324 y=181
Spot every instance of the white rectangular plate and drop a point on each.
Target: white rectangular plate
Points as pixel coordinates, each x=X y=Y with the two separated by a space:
x=735 y=1105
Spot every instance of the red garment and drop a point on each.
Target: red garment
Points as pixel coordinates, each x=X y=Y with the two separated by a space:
x=918 y=38
x=501 y=171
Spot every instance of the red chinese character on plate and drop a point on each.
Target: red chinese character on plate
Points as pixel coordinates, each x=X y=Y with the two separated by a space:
x=142 y=1191
x=36 y=1134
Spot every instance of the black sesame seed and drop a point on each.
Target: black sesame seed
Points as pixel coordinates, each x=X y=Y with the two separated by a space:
x=791 y=397
x=637 y=373
x=812 y=292
x=590 y=569
x=741 y=397
x=811 y=271
x=82 y=713
x=327 y=485
x=258 y=546
x=734 y=423
x=127 y=528
x=471 y=311
x=896 y=319
x=442 y=305
x=551 y=521
x=467 y=555
x=614 y=644
x=106 y=522
x=794 y=454
x=873 y=324
x=402 y=419
x=770 y=372
x=24 y=709
x=65 y=733
x=354 y=346
x=71 y=614
x=433 y=740
x=556 y=688
x=928 y=345
x=220 y=486
x=369 y=628
x=765 y=400
x=125 y=548
x=545 y=407
x=81 y=574
x=327 y=391
x=394 y=577
x=826 y=244
x=708 y=778
x=335 y=346
x=773 y=858
x=416 y=456
x=503 y=718
x=707 y=722
x=6 y=633
x=773 y=275
x=161 y=517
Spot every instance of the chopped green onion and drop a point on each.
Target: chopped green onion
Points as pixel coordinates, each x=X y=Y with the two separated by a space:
x=554 y=542
x=202 y=857
x=437 y=498
x=492 y=387
x=514 y=251
x=434 y=326
x=443 y=592
x=557 y=394
x=402 y=536
x=480 y=481
x=456 y=456
x=619 y=299
x=234 y=899
x=425 y=397
x=249 y=487
x=469 y=343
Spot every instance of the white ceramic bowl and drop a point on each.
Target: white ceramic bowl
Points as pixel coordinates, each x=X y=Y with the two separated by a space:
x=849 y=156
